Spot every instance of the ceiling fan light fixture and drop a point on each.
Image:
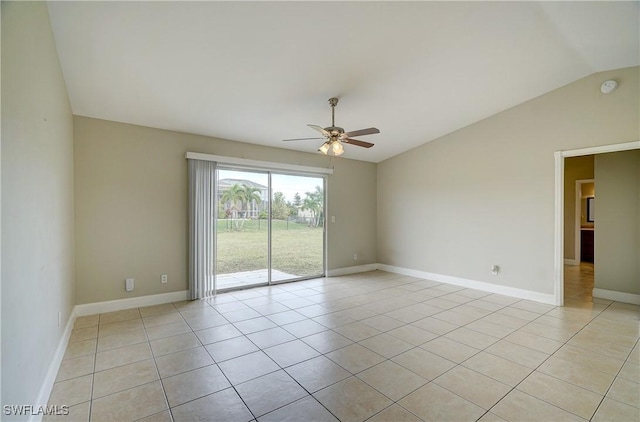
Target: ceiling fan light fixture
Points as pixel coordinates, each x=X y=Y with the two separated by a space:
x=337 y=148
x=335 y=135
x=324 y=148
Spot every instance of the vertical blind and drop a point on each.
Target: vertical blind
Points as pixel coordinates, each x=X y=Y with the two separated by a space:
x=201 y=228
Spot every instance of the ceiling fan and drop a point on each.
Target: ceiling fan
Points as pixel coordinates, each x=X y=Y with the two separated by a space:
x=335 y=136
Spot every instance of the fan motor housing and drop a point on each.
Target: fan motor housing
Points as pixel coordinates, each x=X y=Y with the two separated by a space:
x=334 y=130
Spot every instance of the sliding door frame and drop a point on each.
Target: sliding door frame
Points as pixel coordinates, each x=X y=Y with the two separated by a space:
x=241 y=164
x=324 y=225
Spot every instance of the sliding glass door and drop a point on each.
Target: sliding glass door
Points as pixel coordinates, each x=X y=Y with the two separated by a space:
x=242 y=238
x=297 y=227
x=269 y=227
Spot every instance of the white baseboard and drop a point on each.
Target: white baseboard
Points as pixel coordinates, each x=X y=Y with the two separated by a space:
x=473 y=284
x=457 y=281
x=617 y=296
x=352 y=270
x=571 y=262
x=54 y=366
x=133 y=302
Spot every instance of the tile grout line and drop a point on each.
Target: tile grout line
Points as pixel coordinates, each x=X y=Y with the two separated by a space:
x=614 y=380
x=93 y=374
x=543 y=362
x=155 y=363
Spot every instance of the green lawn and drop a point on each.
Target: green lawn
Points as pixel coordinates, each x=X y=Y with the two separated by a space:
x=297 y=248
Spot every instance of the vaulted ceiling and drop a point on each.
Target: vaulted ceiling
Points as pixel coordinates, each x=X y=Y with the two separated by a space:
x=258 y=72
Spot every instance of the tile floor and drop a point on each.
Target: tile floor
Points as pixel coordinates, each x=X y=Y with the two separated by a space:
x=373 y=346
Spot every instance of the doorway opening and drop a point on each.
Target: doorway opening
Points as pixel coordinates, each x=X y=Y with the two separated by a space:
x=579 y=231
x=580 y=272
x=563 y=268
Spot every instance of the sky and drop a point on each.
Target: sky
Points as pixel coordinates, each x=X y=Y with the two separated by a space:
x=284 y=183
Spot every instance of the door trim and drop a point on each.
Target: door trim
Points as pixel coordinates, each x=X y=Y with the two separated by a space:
x=559 y=156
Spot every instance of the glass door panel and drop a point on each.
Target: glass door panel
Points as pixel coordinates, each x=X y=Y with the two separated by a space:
x=297 y=227
x=242 y=240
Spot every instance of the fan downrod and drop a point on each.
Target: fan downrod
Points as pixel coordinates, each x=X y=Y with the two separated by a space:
x=334 y=102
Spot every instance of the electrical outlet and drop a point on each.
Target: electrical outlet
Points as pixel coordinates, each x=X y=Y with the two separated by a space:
x=333 y=218
x=163 y=278
x=495 y=269
x=128 y=284
x=355 y=256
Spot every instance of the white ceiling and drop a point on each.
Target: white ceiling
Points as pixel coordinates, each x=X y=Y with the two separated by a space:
x=259 y=72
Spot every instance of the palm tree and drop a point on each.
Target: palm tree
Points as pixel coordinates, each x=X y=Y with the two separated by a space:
x=250 y=196
x=233 y=196
x=314 y=202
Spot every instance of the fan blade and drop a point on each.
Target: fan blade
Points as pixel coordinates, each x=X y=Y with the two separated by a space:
x=357 y=143
x=301 y=139
x=361 y=132
x=319 y=129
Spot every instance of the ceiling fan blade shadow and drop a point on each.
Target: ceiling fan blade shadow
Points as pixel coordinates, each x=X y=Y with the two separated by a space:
x=357 y=143
x=320 y=129
x=361 y=132
x=302 y=139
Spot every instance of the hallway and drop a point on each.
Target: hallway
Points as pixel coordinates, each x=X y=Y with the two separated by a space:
x=578 y=282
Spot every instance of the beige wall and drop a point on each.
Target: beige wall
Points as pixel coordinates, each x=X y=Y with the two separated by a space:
x=37 y=201
x=575 y=168
x=617 y=241
x=131 y=205
x=484 y=194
